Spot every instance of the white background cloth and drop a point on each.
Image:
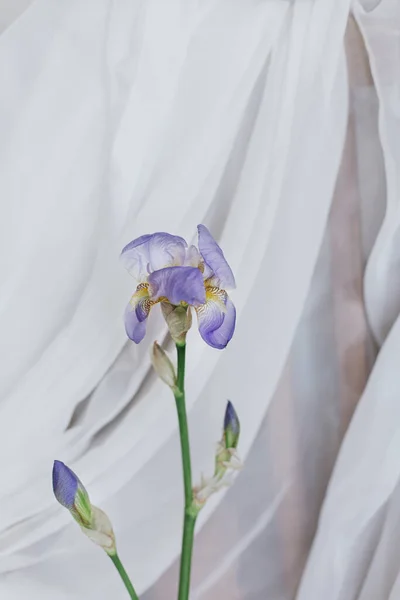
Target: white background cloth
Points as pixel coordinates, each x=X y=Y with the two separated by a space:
x=122 y=118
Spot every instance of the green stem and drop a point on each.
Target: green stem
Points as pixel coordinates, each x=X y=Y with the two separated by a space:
x=186 y=556
x=124 y=576
x=189 y=518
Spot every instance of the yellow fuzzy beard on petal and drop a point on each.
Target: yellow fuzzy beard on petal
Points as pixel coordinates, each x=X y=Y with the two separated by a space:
x=215 y=294
x=142 y=291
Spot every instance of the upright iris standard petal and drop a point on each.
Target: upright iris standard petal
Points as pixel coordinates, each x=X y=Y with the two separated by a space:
x=71 y=493
x=217 y=318
x=140 y=241
x=231 y=427
x=151 y=252
x=135 y=257
x=166 y=250
x=220 y=271
x=193 y=257
x=178 y=284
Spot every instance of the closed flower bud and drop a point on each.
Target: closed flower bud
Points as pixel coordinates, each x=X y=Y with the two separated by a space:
x=179 y=321
x=70 y=493
x=163 y=366
x=227 y=461
x=231 y=427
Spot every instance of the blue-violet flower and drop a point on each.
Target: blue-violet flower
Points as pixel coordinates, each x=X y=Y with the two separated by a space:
x=167 y=270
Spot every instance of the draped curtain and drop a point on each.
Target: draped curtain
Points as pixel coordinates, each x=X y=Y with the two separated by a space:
x=269 y=123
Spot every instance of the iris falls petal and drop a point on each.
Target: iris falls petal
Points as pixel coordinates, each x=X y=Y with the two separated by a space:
x=216 y=318
x=137 y=312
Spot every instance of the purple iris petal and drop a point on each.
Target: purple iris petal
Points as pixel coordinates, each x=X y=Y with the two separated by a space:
x=217 y=327
x=215 y=259
x=178 y=284
x=193 y=257
x=135 y=325
x=166 y=250
x=231 y=418
x=151 y=252
x=65 y=484
x=137 y=242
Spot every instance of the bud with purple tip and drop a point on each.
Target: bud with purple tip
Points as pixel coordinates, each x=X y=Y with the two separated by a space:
x=71 y=493
x=227 y=461
x=231 y=427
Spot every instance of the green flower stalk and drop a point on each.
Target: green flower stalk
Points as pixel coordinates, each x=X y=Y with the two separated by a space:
x=183 y=278
x=190 y=513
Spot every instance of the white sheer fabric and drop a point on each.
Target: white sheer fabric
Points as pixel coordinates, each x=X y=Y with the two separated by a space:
x=120 y=118
x=266 y=535
x=355 y=554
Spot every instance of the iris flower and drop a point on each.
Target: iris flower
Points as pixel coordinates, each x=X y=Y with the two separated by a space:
x=167 y=270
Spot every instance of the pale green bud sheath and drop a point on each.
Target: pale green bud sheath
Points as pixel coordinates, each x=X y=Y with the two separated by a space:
x=163 y=366
x=179 y=321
